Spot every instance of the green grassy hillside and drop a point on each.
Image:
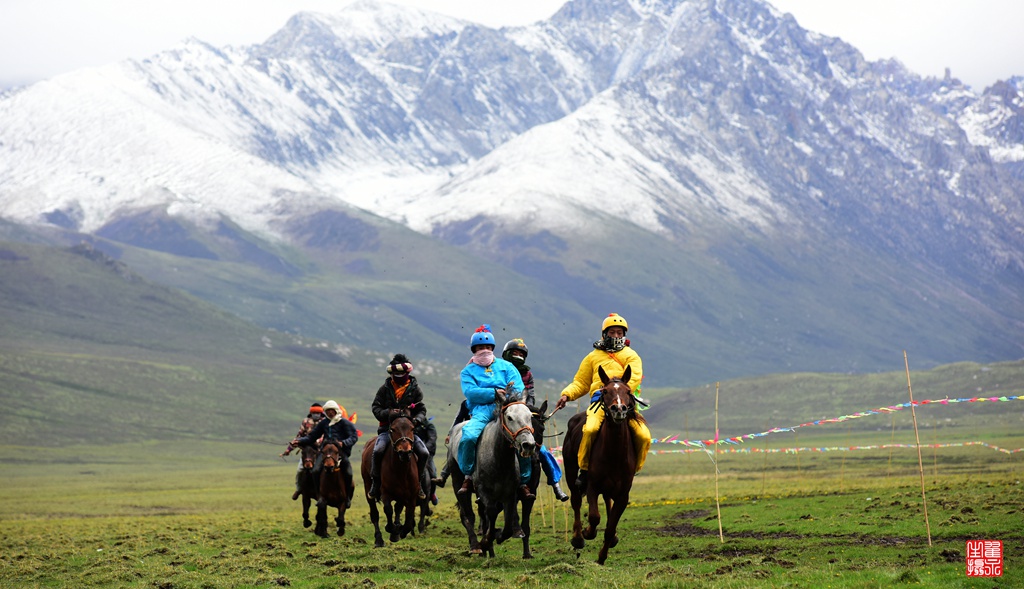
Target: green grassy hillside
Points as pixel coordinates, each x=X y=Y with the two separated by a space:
x=92 y=352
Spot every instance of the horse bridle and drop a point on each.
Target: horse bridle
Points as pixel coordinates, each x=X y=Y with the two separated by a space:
x=337 y=461
x=507 y=430
x=395 y=443
x=629 y=395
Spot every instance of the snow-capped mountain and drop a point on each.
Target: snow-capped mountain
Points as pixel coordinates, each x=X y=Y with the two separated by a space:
x=692 y=121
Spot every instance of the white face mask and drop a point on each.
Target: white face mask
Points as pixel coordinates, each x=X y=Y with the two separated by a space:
x=483 y=357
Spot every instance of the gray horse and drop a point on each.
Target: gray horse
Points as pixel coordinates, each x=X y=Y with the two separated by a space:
x=496 y=479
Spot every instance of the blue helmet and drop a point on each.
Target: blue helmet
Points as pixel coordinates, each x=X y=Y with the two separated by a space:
x=481 y=336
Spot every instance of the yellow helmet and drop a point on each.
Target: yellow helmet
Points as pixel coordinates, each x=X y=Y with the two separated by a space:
x=614 y=319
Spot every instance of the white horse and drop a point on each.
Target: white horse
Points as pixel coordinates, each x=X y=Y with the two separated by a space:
x=496 y=480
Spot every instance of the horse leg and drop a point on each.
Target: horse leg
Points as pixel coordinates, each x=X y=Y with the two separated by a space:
x=410 y=517
x=321 y=519
x=577 y=527
x=615 y=511
x=424 y=509
x=527 y=510
x=340 y=520
x=593 y=516
x=391 y=528
x=490 y=529
x=468 y=518
x=378 y=538
x=305 y=511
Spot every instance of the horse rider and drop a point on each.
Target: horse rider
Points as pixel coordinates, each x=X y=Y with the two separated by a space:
x=316 y=413
x=516 y=351
x=613 y=353
x=334 y=427
x=399 y=393
x=483 y=378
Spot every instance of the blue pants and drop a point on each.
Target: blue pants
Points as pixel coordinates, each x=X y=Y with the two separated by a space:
x=471 y=431
x=550 y=466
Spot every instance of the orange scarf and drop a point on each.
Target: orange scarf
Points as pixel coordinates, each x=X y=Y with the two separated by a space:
x=399 y=390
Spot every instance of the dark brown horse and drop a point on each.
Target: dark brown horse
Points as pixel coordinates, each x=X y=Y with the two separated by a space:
x=539 y=418
x=333 y=489
x=612 y=462
x=309 y=482
x=399 y=481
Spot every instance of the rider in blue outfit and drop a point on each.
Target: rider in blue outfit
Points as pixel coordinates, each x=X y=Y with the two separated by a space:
x=482 y=379
x=515 y=351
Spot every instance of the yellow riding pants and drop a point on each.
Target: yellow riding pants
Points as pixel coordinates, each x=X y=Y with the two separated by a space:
x=595 y=417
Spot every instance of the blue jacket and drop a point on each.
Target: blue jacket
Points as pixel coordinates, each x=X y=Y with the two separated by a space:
x=478 y=384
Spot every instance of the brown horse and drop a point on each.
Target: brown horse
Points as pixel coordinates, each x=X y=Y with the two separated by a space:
x=612 y=462
x=333 y=489
x=309 y=483
x=399 y=481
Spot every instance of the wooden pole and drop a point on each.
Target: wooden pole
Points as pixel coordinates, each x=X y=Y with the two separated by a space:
x=892 y=441
x=842 y=465
x=718 y=506
x=796 y=450
x=917 y=437
x=764 y=463
x=686 y=432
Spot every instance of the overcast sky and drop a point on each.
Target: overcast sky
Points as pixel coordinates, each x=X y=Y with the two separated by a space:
x=981 y=41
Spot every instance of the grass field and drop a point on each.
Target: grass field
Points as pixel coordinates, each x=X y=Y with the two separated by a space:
x=204 y=515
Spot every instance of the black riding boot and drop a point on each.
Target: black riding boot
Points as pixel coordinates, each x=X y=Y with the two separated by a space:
x=378 y=456
x=581 y=481
x=422 y=456
x=559 y=493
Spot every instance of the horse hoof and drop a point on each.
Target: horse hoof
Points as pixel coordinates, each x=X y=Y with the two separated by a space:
x=614 y=542
x=307 y=523
x=578 y=543
x=475 y=551
x=341 y=532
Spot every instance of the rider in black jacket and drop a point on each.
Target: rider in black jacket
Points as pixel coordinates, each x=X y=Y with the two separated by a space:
x=400 y=393
x=333 y=428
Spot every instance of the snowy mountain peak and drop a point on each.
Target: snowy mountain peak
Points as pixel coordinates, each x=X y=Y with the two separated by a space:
x=671 y=115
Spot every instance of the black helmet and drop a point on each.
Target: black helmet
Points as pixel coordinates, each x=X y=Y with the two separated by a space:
x=515 y=344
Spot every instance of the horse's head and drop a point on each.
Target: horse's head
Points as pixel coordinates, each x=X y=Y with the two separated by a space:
x=618 y=401
x=539 y=418
x=331 y=452
x=308 y=457
x=516 y=424
x=401 y=434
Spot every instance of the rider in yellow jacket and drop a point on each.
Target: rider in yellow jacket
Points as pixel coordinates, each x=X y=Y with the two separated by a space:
x=612 y=352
